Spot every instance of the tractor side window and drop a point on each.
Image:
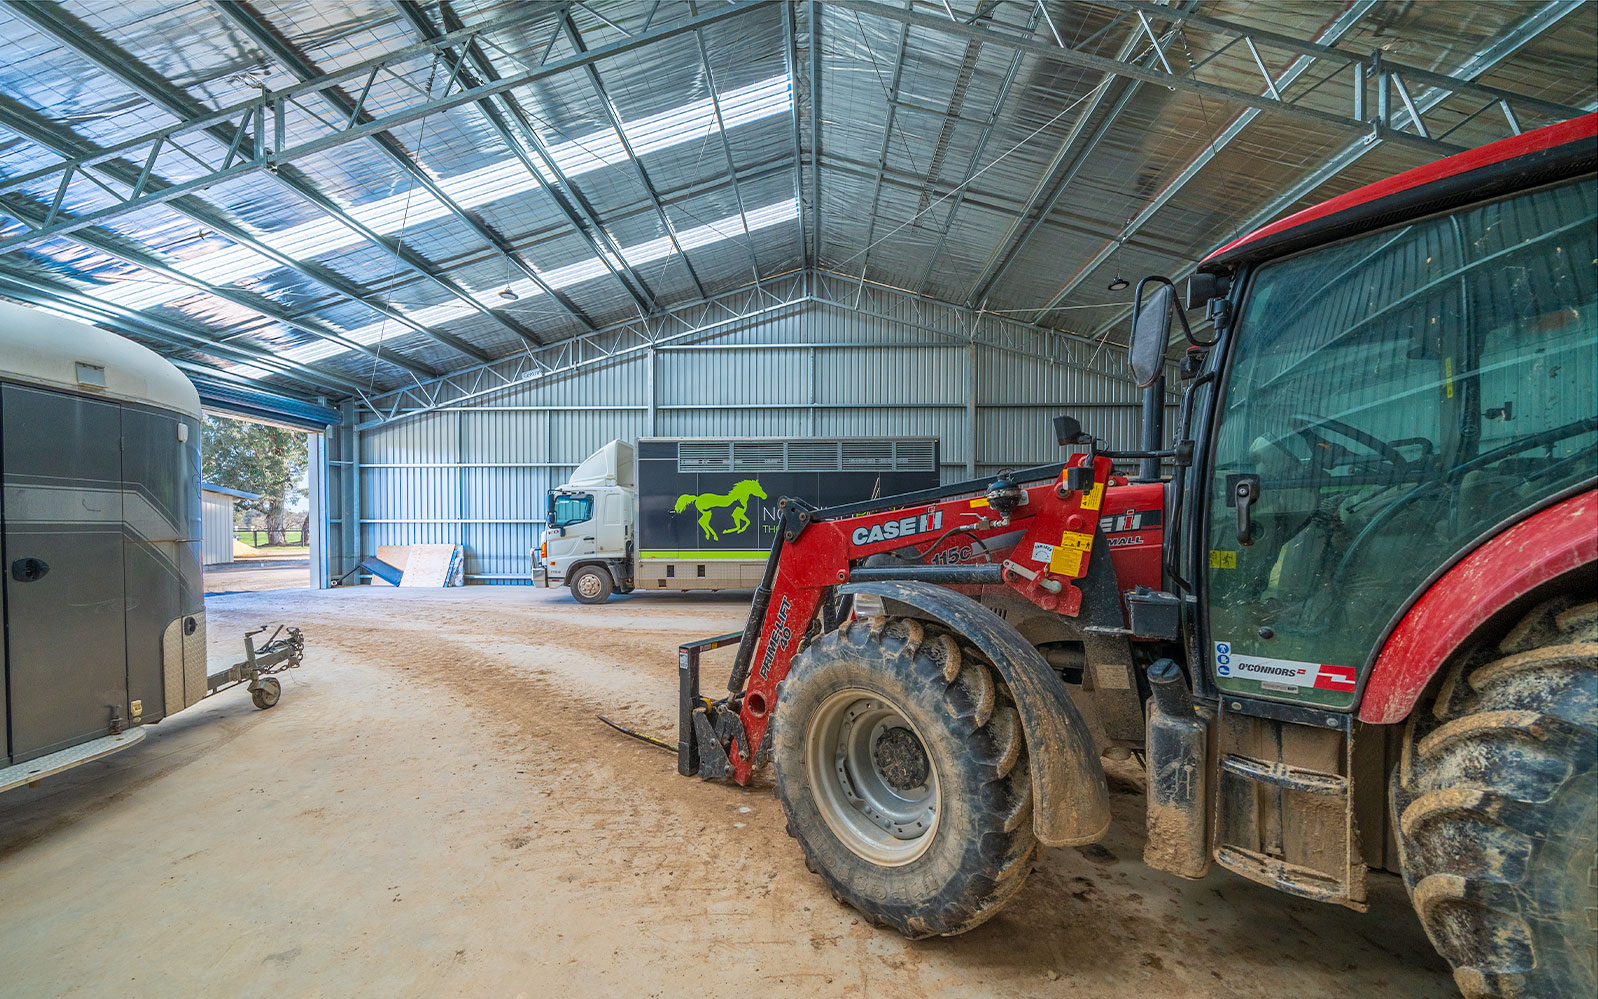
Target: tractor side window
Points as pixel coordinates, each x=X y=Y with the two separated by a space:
x=570 y=510
x=1394 y=397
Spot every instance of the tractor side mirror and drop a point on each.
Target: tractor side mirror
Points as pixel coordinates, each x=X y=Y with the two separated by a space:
x=1068 y=430
x=1205 y=285
x=1151 y=332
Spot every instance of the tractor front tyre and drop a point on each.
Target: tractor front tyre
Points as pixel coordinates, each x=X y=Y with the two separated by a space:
x=591 y=585
x=902 y=769
x=1496 y=801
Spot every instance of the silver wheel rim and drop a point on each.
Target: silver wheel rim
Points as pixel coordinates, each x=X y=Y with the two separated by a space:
x=588 y=585
x=876 y=813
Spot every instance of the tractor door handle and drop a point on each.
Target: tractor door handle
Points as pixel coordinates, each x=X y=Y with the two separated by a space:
x=26 y=570
x=1245 y=492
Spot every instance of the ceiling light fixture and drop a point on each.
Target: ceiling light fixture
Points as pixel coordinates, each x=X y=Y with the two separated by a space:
x=1119 y=283
x=508 y=295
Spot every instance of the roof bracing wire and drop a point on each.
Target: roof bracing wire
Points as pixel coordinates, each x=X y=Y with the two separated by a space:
x=1052 y=183
x=976 y=154
x=122 y=66
x=1173 y=81
x=508 y=117
x=264 y=35
x=891 y=92
x=790 y=53
x=726 y=147
x=267 y=115
x=1542 y=20
x=1339 y=26
x=48 y=294
x=66 y=142
x=613 y=116
x=62 y=139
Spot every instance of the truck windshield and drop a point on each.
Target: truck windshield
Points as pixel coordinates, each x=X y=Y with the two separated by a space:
x=566 y=509
x=1395 y=396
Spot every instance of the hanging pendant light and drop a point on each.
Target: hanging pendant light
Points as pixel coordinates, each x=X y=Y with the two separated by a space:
x=1119 y=283
x=508 y=294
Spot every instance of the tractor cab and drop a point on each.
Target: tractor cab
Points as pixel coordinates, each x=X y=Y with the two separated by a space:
x=1367 y=411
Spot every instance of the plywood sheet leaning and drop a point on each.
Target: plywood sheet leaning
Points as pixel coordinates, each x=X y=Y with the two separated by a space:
x=432 y=565
x=394 y=555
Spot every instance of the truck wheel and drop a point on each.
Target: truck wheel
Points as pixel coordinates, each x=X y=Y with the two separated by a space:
x=902 y=768
x=1497 y=800
x=591 y=585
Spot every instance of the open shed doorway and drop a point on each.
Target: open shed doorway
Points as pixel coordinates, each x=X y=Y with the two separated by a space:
x=259 y=511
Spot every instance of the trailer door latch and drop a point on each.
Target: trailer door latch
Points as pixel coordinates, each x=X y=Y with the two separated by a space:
x=26 y=570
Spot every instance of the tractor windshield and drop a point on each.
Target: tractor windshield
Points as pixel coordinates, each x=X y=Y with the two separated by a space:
x=1393 y=398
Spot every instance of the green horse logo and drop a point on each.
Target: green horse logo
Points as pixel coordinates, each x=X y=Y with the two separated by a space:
x=708 y=503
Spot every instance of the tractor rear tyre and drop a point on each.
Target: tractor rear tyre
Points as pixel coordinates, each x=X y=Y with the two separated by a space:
x=591 y=585
x=1496 y=801
x=902 y=768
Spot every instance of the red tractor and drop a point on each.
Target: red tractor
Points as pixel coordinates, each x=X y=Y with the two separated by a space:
x=1353 y=628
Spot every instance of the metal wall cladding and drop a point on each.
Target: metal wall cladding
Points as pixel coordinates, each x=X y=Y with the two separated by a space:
x=477 y=475
x=740 y=376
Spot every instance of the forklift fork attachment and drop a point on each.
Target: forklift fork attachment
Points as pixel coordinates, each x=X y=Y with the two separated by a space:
x=699 y=752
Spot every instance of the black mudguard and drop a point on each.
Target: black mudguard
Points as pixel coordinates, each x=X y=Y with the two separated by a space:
x=1071 y=804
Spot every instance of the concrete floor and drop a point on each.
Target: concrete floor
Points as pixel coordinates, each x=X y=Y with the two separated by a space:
x=433 y=811
x=257 y=574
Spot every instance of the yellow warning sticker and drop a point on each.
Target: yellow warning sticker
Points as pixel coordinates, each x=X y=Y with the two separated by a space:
x=1094 y=497
x=1066 y=561
x=979 y=501
x=1222 y=559
x=1077 y=540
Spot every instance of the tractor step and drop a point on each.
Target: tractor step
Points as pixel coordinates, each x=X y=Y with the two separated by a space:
x=1305 y=882
x=1285 y=776
x=1286 y=806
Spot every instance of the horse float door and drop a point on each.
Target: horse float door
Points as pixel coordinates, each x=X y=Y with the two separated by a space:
x=66 y=667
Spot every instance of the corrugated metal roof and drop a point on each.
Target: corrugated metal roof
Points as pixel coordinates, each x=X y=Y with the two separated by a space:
x=973 y=153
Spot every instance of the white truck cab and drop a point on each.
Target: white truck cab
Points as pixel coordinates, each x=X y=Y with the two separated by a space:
x=589 y=526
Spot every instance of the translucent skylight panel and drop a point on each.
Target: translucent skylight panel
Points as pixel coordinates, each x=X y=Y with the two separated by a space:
x=560 y=277
x=496 y=181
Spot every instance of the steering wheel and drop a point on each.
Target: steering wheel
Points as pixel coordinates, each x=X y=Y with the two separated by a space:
x=1309 y=424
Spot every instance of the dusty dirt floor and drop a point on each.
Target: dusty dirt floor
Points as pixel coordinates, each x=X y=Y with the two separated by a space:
x=432 y=810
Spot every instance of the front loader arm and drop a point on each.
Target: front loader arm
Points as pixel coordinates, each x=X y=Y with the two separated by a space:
x=1042 y=550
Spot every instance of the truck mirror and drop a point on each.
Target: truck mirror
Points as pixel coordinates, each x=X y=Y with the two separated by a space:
x=1205 y=285
x=1151 y=331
